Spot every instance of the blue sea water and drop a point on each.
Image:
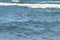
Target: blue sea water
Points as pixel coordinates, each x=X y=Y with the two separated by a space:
x=33 y=1
x=22 y=23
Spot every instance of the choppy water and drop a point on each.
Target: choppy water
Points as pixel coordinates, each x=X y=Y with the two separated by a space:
x=22 y=23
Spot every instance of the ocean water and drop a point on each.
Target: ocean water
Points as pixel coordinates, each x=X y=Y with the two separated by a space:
x=33 y=1
x=23 y=23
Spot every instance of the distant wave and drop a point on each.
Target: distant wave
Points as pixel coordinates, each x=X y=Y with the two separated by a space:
x=32 y=5
x=54 y=2
x=33 y=2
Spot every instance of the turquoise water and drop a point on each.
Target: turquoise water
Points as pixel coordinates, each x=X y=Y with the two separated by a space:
x=33 y=1
x=22 y=23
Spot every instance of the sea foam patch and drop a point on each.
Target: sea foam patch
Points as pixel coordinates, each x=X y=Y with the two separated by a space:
x=32 y=5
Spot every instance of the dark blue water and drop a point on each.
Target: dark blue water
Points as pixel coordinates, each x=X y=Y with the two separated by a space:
x=22 y=23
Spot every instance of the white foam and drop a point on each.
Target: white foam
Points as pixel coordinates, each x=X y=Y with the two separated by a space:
x=15 y=0
x=32 y=5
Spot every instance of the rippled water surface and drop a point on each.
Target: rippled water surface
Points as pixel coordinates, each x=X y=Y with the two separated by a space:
x=22 y=23
x=33 y=1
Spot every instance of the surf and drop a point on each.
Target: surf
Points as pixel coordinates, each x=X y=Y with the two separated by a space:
x=32 y=5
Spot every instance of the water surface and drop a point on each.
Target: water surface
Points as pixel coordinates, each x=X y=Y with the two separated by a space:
x=22 y=23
